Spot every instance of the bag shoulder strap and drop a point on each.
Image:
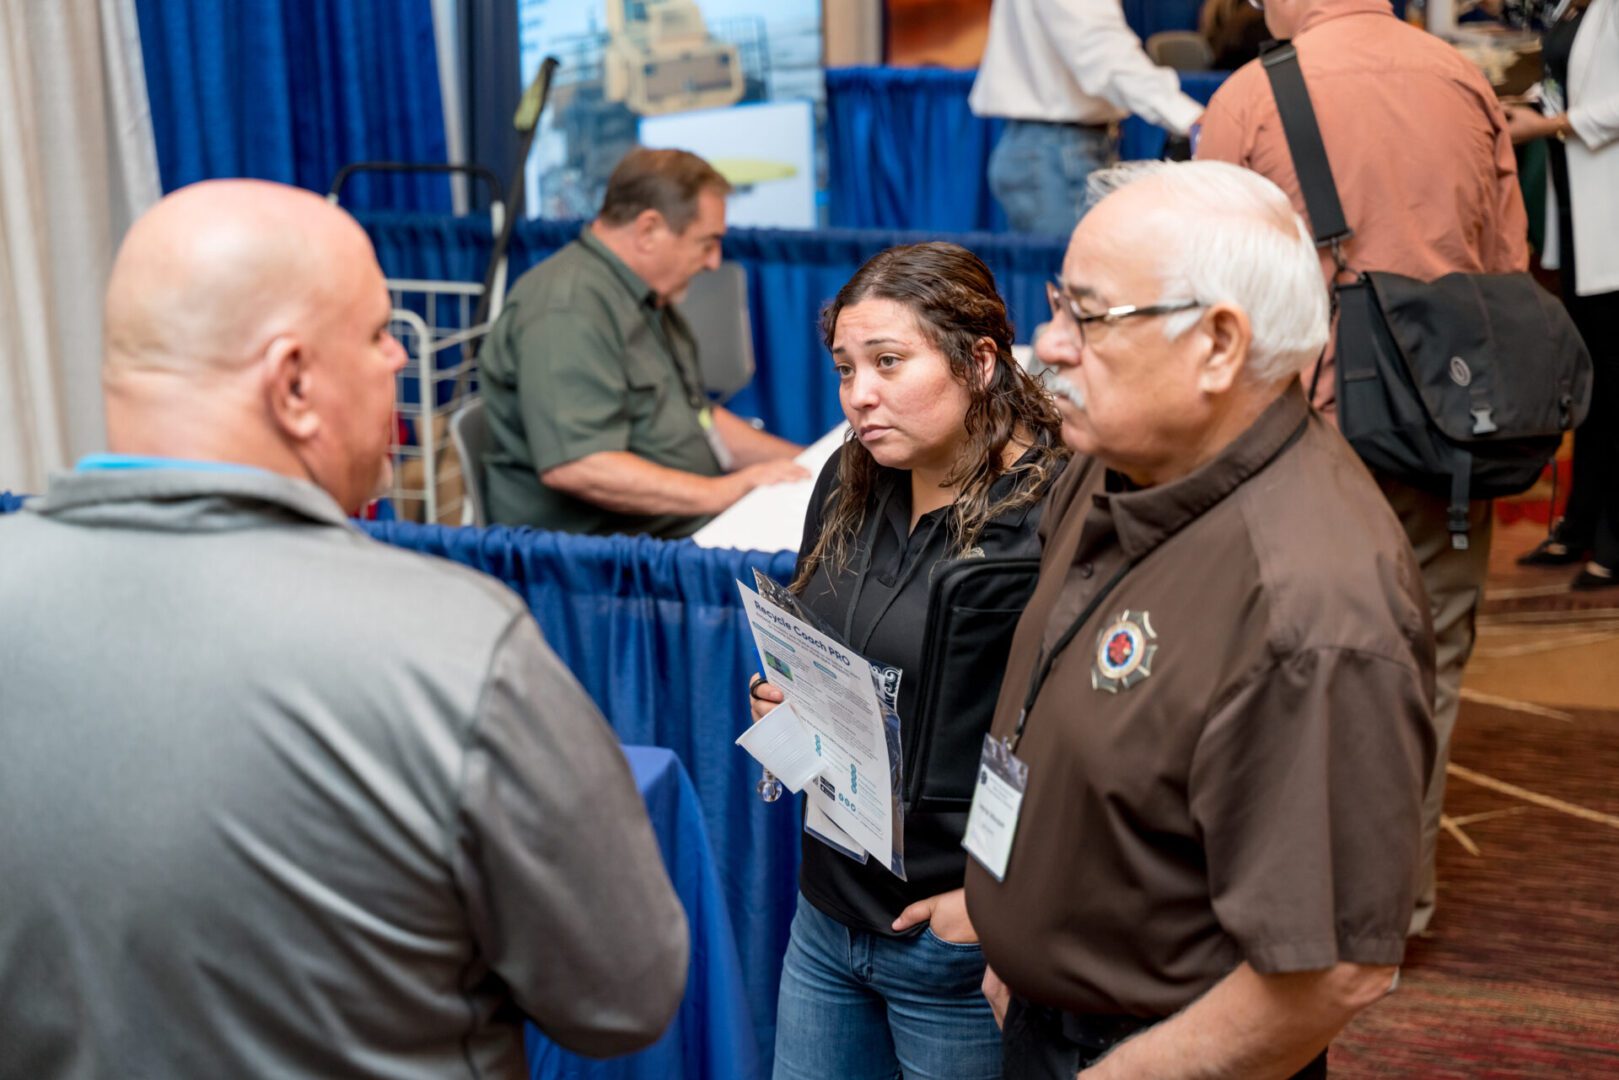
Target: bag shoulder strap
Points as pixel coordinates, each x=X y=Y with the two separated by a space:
x=1303 y=134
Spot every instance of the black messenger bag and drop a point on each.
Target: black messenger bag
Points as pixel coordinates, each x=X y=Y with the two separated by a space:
x=973 y=608
x=1462 y=386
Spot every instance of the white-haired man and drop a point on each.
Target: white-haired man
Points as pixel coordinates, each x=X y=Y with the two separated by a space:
x=1195 y=826
x=280 y=800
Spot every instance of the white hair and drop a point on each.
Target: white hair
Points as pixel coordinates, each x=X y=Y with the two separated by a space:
x=1237 y=241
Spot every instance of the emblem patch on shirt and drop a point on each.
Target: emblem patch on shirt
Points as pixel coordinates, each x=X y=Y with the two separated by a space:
x=1124 y=652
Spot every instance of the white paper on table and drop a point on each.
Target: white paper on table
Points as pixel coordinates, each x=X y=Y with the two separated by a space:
x=781 y=743
x=771 y=518
x=834 y=695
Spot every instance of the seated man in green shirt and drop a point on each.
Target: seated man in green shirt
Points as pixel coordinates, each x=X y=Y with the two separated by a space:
x=590 y=379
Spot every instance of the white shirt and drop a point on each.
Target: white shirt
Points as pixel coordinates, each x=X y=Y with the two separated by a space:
x=1077 y=62
x=1593 y=154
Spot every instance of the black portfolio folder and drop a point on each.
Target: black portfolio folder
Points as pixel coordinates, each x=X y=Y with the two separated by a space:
x=973 y=607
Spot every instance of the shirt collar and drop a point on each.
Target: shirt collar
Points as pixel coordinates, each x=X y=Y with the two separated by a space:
x=1146 y=517
x=893 y=489
x=184 y=499
x=638 y=288
x=1327 y=10
x=102 y=462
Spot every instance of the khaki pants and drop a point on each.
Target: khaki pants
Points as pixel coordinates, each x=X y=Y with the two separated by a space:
x=1454 y=581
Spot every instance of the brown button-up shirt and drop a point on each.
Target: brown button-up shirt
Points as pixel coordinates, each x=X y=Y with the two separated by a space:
x=1227 y=762
x=1417 y=142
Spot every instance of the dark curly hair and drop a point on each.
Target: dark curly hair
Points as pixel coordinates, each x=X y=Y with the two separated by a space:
x=953 y=297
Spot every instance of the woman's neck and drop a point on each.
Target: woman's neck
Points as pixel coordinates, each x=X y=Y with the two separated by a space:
x=929 y=491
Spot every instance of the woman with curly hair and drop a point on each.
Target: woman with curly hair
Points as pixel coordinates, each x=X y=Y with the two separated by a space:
x=951 y=450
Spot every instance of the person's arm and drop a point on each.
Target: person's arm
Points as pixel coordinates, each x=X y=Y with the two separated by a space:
x=1107 y=60
x=556 y=862
x=1306 y=786
x=749 y=445
x=630 y=484
x=1507 y=231
x=1249 y=1027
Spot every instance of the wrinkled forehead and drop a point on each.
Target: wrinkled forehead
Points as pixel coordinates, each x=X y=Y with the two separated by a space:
x=1115 y=252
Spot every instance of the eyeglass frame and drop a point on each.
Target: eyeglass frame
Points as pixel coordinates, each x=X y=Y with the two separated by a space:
x=1057 y=294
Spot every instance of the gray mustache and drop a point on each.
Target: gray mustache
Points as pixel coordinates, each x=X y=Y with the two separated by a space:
x=1062 y=388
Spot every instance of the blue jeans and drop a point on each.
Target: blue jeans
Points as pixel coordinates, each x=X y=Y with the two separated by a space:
x=860 y=1006
x=1038 y=172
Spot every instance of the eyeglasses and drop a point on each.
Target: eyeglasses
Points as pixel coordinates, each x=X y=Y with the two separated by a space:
x=1062 y=304
x=1257 y=5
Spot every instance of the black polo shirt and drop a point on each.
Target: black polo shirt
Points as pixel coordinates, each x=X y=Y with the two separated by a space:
x=887 y=626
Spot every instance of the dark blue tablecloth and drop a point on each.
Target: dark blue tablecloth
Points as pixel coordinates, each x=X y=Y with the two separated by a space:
x=654 y=632
x=712 y=1036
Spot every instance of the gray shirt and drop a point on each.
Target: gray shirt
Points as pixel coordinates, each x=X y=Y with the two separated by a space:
x=278 y=800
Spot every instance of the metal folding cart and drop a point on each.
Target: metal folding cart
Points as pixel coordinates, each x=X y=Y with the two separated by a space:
x=437 y=322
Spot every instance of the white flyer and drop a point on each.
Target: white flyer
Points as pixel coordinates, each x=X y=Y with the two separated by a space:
x=833 y=694
x=781 y=743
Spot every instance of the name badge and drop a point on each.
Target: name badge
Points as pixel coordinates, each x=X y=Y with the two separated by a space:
x=997 y=801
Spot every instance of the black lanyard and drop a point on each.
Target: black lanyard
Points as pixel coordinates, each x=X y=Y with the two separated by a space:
x=1042 y=668
x=869 y=542
x=655 y=319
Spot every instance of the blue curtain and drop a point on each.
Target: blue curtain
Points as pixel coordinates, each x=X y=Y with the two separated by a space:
x=903 y=147
x=905 y=152
x=1148 y=17
x=790 y=276
x=654 y=632
x=291 y=90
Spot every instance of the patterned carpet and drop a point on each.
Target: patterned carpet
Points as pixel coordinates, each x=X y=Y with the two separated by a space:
x=1519 y=974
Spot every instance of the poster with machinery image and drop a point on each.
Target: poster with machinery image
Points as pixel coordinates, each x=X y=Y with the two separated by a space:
x=737 y=81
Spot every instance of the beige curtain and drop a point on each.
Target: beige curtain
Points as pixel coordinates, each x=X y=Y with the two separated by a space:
x=77 y=165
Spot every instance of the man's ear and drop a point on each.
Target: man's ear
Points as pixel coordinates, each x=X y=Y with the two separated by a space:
x=288 y=382
x=1229 y=335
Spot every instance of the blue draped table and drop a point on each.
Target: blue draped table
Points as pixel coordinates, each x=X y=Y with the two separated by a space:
x=905 y=152
x=654 y=631
x=711 y=1035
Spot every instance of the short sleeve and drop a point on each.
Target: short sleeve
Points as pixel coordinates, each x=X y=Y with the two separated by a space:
x=1307 y=787
x=1222 y=134
x=557 y=863
x=572 y=389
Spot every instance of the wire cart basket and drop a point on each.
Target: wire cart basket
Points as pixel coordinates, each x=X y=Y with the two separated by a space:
x=438 y=323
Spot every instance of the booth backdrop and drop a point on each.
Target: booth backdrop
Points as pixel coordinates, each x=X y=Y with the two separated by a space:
x=905 y=152
x=790 y=276
x=292 y=90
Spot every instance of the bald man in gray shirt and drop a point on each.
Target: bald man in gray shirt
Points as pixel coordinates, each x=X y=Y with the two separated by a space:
x=279 y=800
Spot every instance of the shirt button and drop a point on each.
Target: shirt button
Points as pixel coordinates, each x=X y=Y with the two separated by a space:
x=1086 y=569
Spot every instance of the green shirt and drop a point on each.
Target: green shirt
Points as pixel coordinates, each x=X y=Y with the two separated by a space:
x=582 y=360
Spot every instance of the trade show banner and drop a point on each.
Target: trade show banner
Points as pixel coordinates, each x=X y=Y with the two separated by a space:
x=736 y=81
